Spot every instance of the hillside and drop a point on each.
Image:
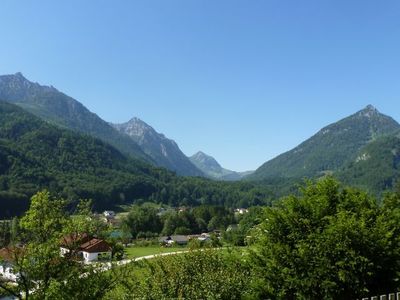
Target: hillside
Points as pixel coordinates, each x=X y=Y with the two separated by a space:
x=213 y=169
x=165 y=152
x=36 y=155
x=376 y=167
x=56 y=107
x=331 y=148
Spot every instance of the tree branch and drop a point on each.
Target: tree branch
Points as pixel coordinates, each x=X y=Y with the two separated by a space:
x=10 y=291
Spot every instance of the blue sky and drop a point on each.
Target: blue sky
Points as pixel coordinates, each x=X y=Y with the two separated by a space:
x=240 y=80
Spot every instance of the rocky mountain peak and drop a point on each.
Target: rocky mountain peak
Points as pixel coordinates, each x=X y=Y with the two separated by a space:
x=164 y=151
x=369 y=111
x=135 y=120
x=19 y=75
x=15 y=80
x=206 y=160
x=138 y=129
x=201 y=154
x=370 y=107
x=18 y=87
x=213 y=169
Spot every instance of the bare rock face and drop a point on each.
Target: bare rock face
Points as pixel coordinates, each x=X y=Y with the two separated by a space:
x=165 y=152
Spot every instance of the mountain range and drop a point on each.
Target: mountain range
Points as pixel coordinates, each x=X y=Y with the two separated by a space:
x=165 y=152
x=362 y=149
x=135 y=137
x=57 y=108
x=37 y=155
x=346 y=149
x=213 y=169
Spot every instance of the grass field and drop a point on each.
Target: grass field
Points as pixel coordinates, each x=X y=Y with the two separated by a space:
x=133 y=252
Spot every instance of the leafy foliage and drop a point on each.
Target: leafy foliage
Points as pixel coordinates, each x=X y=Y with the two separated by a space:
x=329 y=243
x=35 y=155
x=205 y=274
x=42 y=272
x=145 y=220
x=239 y=235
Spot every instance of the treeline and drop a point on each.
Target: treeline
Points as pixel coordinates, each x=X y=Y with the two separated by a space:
x=193 y=191
x=149 y=221
x=35 y=155
x=325 y=242
x=144 y=221
x=8 y=231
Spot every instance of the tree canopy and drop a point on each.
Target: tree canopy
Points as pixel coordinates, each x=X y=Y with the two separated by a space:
x=328 y=243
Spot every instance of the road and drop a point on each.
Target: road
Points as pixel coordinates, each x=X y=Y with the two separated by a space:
x=108 y=265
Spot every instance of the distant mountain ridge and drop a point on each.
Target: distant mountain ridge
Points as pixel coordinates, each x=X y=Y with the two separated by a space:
x=165 y=152
x=35 y=155
x=362 y=149
x=213 y=169
x=55 y=107
x=331 y=148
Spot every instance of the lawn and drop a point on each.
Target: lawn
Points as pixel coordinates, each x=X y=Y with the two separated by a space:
x=132 y=252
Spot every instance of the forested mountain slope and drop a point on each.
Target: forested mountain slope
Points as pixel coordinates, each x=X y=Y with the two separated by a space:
x=54 y=106
x=331 y=148
x=376 y=167
x=35 y=155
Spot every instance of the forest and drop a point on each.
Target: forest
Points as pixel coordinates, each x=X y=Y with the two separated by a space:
x=35 y=155
x=328 y=241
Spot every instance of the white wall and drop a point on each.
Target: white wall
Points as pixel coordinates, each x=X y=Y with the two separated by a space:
x=64 y=251
x=6 y=272
x=88 y=257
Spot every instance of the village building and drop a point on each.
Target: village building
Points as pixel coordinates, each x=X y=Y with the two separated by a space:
x=95 y=250
x=241 y=211
x=232 y=227
x=109 y=214
x=85 y=248
x=174 y=239
x=201 y=237
x=7 y=265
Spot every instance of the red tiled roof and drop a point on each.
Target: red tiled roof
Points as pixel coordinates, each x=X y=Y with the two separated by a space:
x=10 y=254
x=95 y=245
x=5 y=254
x=74 y=239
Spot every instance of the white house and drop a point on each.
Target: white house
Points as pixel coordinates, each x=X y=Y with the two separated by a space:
x=174 y=239
x=6 y=265
x=241 y=211
x=89 y=249
x=95 y=250
x=6 y=271
x=204 y=237
x=109 y=214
